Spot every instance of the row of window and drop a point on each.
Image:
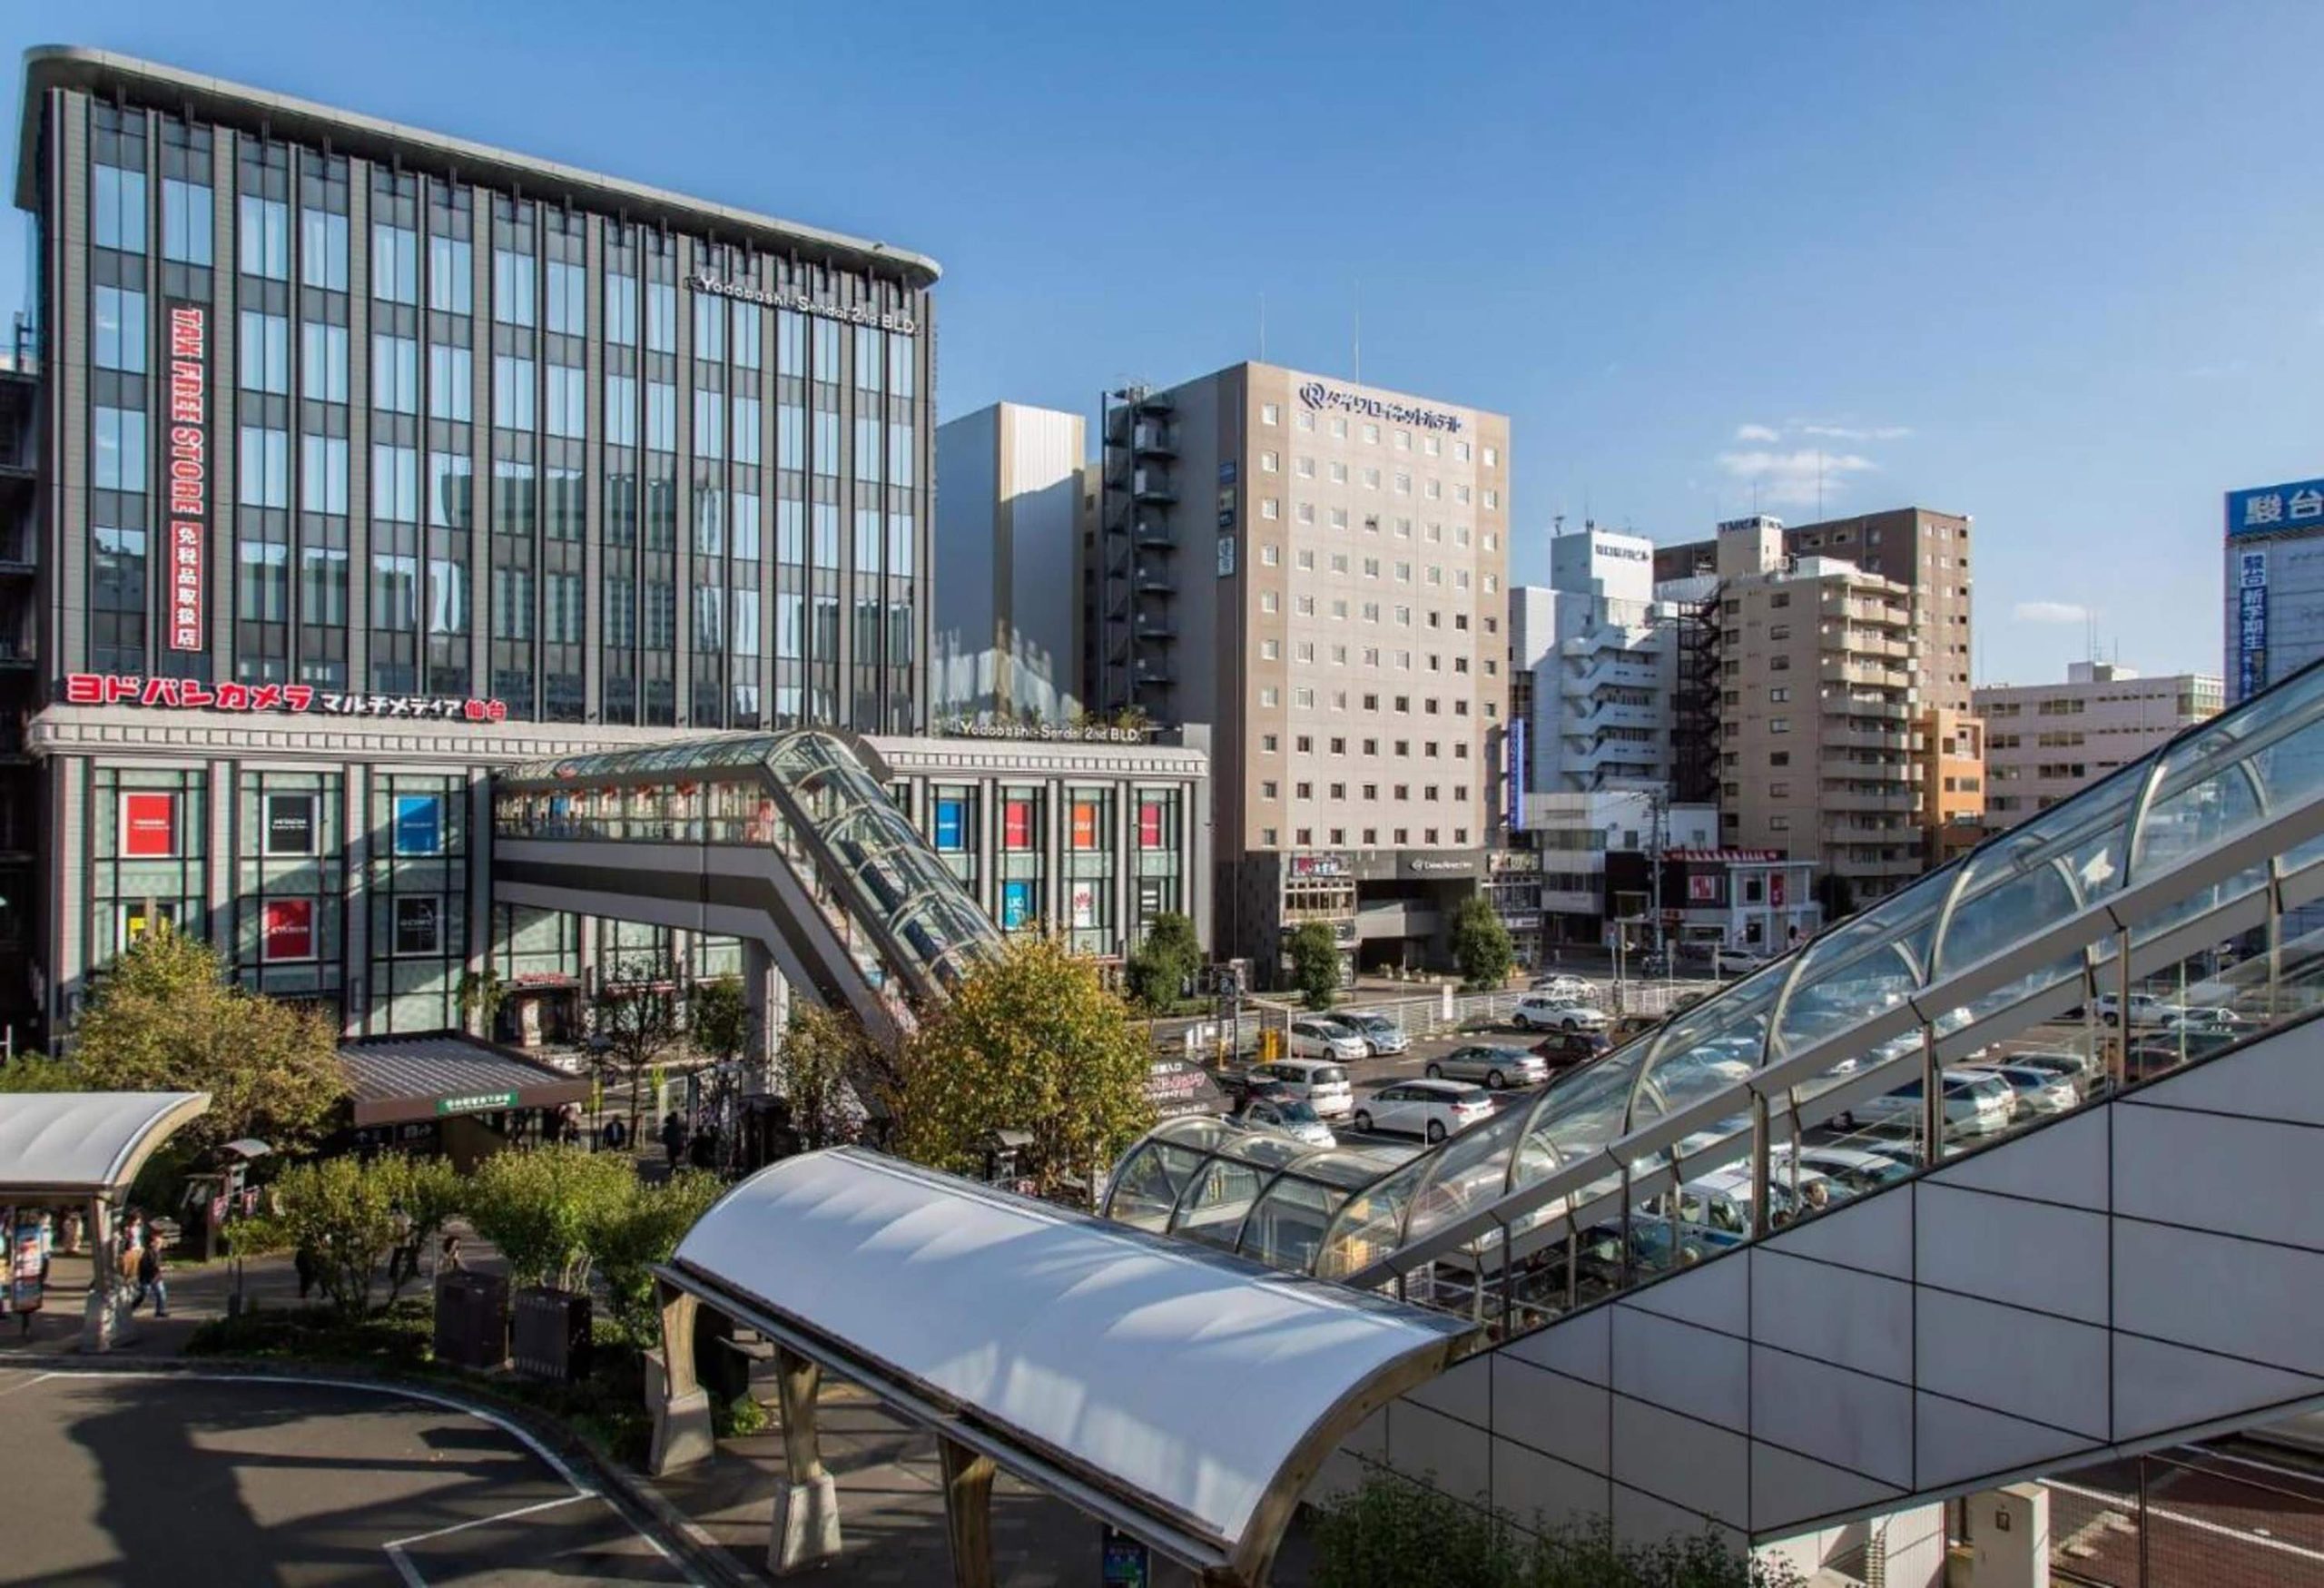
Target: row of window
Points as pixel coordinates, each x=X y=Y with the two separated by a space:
x=1432 y=446
x=1304 y=790
x=1306 y=652
x=1306 y=697
x=1398 y=481
x=1369 y=837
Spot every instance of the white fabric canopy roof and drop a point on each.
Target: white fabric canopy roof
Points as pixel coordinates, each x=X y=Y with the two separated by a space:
x=1192 y=1385
x=85 y=1143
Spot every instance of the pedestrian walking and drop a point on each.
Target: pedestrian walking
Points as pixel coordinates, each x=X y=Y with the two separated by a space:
x=303 y=1259
x=403 y=1255
x=674 y=1136
x=149 y=1279
x=451 y=1261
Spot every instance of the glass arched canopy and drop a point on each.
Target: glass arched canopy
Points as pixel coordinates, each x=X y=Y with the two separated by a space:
x=2211 y=784
x=808 y=794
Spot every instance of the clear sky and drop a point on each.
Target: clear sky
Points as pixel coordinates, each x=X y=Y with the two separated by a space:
x=2055 y=264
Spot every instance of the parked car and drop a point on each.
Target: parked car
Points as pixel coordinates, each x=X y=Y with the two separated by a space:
x=1721 y=1200
x=2034 y=1093
x=2210 y=1017
x=2083 y=1071
x=1316 y=1038
x=1496 y=1067
x=1975 y=1104
x=1572 y=988
x=1562 y=1049
x=1850 y=1170
x=1275 y=1107
x=1382 y=1035
x=1323 y=1086
x=1430 y=1108
x=1545 y=1011
x=2146 y=1010
x=1729 y=961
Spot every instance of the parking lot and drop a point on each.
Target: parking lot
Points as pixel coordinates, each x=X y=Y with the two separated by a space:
x=147 y=1478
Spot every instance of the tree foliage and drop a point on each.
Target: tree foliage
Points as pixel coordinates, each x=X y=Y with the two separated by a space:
x=1314 y=955
x=542 y=1207
x=480 y=994
x=39 y=1072
x=719 y=1019
x=636 y=1018
x=1392 y=1534
x=1159 y=972
x=831 y=1068
x=1481 y=944
x=1032 y=1042
x=342 y=1213
x=637 y=1227
x=164 y=1019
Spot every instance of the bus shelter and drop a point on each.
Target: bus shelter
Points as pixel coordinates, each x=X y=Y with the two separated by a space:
x=1177 y=1394
x=64 y=1149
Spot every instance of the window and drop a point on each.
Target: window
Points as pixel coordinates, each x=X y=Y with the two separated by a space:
x=568 y=299
x=1269 y=650
x=512 y=392
x=120 y=329
x=323 y=249
x=119 y=204
x=567 y=401
x=323 y=474
x=394 y=374
x=451 y=382
x=185 y=221
x=322 y=362
x=1270 y=462
x=1779 y=725
x=1267 y=789
x=1270 y=697
x=264 y=478
x=512 y=287
x=1270 y=413
x=451 y=270
x=120 y=449
x=1270 y=507
x=395 y=261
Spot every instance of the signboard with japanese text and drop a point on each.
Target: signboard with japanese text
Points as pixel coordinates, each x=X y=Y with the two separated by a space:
x=295 y=699
x=2250 y=623
x=480 y=1102
x=289 y=823
x=287 y=930
x=2271 y=509
x=149 y=824
x=187 y=471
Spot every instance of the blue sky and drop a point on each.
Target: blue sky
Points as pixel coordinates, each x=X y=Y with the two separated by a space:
x=2056 y=265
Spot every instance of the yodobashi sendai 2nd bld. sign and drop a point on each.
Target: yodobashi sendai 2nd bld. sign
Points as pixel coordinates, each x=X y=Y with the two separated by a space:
x=1315 y=394
x=188 y=473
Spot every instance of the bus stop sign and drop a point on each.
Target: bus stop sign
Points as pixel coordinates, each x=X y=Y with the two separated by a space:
x=1125 y=1563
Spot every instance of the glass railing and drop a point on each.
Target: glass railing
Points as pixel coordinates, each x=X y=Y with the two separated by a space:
x=2152 y=921
x=806 y=795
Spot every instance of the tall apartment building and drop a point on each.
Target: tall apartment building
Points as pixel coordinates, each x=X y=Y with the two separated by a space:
x=1009 y=528
x=1818 y=677
x=2275 y=584
x=1316 y=568
x=2045 y=741
x=1598 y=655
x=366 y=460
x=1925 y=552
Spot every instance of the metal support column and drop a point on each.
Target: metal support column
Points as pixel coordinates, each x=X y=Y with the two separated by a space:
x=1761 y=1190
x=1932 y=1100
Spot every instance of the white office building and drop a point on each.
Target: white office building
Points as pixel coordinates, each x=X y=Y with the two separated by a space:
x=1600 y=653
x=2045 y=741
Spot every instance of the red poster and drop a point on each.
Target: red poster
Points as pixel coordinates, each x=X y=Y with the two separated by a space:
x=1702 y=890
x=1016 y=825
x=1774 y=889
x=289 y=930
x=1149 y=826
x=1085 y=825
x=149 y=825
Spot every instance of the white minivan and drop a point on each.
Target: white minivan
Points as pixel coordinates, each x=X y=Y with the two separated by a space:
x=1323 y=1085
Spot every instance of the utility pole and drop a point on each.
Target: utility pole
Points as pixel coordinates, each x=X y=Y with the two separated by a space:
x=1659 y=805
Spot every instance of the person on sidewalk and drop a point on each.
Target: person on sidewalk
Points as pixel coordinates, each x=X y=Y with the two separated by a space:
x=150 y=1277
x=674 y=1136
x=403 y=1254
x=450 y=1262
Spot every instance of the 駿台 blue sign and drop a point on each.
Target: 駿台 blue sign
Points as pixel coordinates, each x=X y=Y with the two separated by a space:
x=2272 y=507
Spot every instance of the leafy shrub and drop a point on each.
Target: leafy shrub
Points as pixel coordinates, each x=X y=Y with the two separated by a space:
x=542 y=1207
x=635 y=1230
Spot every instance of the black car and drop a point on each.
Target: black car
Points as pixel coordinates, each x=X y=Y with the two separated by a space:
x=1564 y=1050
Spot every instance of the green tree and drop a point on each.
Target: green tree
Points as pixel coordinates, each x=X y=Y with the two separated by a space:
x=431 y=1192
x=636 y=1227
x=1394 y=1534
x=1160 y=969
x=480 y=994
x=830 y=1070
x=164 y=1019
x=1314 y=955
x=720 y=1021
x=39 y=1072
x=636 y=1016
x=1836 y=894
x=542 y=1207
x=1481 y=944
x=1034 y=1041
x=342 y=1212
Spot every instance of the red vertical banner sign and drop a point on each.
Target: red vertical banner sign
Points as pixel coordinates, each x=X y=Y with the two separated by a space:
x=149 y=824
x=188 y=470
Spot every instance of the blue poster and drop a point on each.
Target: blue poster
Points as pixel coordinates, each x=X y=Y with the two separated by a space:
x=1016 y=905
x=420 y=824
x=949 y=824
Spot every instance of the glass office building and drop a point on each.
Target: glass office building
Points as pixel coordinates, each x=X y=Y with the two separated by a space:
x=371 y=458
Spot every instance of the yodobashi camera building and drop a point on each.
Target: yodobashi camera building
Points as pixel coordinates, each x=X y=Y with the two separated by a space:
x=370 y=459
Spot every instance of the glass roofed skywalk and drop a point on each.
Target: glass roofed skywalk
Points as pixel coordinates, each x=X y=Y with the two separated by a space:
x=789 y=838
x=2175 y=890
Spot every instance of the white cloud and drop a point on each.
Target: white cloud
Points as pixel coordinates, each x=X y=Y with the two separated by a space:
x=2049 y=612
x=1757 y=433
x=1797 y=479
x=1853 y=433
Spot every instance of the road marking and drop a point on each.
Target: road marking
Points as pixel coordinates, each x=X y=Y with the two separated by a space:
x=503 y=1516
x=411 y=1577
x=2297 y=1474
x=37 y=1378
x=2180 y=1519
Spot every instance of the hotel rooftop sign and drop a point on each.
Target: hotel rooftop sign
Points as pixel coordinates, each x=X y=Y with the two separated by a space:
x=1315 y=394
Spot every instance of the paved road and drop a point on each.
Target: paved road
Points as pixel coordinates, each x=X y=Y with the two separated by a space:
x=136 y=1479
x=2233 y=1514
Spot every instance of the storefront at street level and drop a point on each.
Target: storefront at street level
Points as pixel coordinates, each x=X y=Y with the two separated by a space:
x=450 y=1094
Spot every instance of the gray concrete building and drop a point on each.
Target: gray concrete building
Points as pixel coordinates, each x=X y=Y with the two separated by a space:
x=370 y=459
x=2045 y=741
